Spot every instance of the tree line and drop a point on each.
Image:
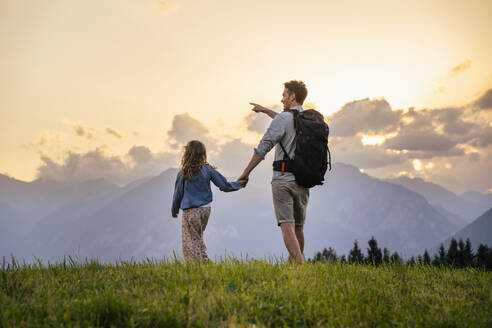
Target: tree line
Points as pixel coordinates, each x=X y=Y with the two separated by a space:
x=459 y=255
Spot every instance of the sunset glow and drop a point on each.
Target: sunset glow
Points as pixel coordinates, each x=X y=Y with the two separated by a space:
x=417 y=165
x=372 y=140
x=68 y=86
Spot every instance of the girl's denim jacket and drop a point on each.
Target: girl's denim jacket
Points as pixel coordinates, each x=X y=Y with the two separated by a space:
x=196 y=192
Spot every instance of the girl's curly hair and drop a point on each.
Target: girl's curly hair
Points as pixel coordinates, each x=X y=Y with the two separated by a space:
x=194 y=157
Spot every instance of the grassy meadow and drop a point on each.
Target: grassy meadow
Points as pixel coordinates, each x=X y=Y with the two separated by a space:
x=234 y=293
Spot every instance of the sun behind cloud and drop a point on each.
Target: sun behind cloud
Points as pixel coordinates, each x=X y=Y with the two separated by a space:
x=168 y=6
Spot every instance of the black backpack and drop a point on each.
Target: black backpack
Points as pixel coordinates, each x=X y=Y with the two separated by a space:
x=310 y=157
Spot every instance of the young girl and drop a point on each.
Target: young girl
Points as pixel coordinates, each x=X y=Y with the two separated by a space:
x=193 y=195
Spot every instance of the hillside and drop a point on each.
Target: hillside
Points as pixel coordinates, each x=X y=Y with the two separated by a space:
x=243 y=294
x=479 y=231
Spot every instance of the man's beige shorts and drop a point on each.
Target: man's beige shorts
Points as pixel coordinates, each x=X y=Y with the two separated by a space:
x=290 y=202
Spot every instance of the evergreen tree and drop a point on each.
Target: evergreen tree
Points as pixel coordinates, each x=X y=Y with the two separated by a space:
x=482 y=253
x=442 y=255
x=420 y=260
x=343 y=259
x=330 y=255
x=468 y=253
x=326 y=255
x=452 y=255
x=355 y=255
x=386 y=255
x=427 y=259
x=374 y=254
x=484 y=257
x=460 y=260
x=411 y=261
x=435 y=260
x=488 y=261
x=395 y=258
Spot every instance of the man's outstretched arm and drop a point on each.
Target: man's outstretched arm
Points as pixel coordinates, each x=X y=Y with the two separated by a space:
x=255 y=160
x=260 y=109
x=273 y=134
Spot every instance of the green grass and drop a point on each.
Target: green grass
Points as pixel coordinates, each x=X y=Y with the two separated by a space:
x=243 y=293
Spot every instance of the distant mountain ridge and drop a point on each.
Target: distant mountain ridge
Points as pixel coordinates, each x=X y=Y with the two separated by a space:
x=100 y=219
x=468 y=206
x=41 y=197
x=398 y=218
x=479 y=232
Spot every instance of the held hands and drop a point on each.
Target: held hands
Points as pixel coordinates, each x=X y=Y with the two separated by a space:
x=243 y=179
x=243 y=182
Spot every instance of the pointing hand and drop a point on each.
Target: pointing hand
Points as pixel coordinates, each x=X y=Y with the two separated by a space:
x=257 y=108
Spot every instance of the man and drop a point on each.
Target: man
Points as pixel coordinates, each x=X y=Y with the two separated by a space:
x=289 y=199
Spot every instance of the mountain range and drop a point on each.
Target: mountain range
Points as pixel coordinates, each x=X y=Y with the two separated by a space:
x=465 y=207
x=479 y=232
x=50 y=219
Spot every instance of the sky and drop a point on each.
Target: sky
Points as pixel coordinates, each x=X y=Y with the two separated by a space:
x=114 y=88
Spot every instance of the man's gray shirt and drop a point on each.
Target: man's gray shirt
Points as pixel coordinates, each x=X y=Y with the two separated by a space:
x=280 y=130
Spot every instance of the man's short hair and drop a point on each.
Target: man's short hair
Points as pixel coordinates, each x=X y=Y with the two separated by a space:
x=298 y=88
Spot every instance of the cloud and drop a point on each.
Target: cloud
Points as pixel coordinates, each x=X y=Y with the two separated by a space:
x=352 y=151
x=444 y=129
x=47 y=139
x=257 y=122
x=427 y=134
x=457 y=174
x=452 y=152
x=461 y=67
x=440 y=90
x=168 y=6
x=370 y=116
x=485 y=101
x=466 y=173
x=450 y=120
x=79 y=167
x=139 y=162
x=140 y=154
x=482 y=138
x=113 y=133
x=144 y=162
x=433 y=133
x=474 y=157
x=428 y=141
x=435 y=137
x=232 y=157
x=83 y=131
x=458 y=127
x=185 y=128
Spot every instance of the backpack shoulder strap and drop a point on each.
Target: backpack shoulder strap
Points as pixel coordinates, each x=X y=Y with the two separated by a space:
x=286 y=156
x=294 y=114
